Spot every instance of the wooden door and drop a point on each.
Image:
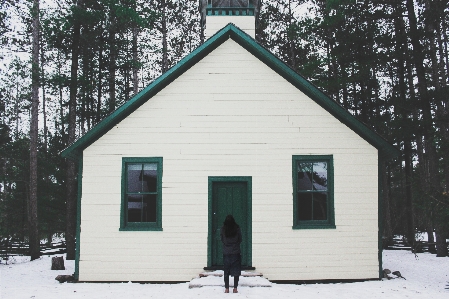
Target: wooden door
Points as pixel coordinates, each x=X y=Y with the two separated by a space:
x=229 y=197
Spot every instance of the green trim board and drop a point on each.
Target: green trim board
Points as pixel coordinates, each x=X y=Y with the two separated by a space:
x=210 y=235
x=230 y=11
x=149 y=224
x=78 y=216
x=380 y=213
x=230 y=31
x=312 y=188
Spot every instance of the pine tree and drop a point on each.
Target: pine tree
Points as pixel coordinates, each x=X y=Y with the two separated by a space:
x=32 y=203
x=70 y=233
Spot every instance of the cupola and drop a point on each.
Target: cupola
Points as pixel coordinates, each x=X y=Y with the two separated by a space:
x=215 y=14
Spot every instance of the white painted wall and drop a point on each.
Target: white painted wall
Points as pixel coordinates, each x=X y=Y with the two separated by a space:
x=229 y=115
x=214 y=23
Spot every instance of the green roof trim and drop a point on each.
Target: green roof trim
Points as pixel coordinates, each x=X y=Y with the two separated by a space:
x=230 y=31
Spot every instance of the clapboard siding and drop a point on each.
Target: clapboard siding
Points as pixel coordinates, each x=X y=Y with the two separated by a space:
x=229 y=115
x=215 y=23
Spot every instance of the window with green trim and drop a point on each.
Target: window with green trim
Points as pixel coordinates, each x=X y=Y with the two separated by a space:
x=141 y=194
x=313 y=192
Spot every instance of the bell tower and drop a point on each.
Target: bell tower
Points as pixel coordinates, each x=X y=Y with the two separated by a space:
x=215 y=14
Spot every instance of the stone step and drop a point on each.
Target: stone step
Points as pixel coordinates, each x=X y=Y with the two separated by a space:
x=215 y=278
x=219 y=273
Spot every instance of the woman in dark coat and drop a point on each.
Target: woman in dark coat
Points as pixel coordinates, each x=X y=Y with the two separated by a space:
x=231 y=237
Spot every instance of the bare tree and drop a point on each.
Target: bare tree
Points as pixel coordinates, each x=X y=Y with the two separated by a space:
x=71 y=169
x=32 y=200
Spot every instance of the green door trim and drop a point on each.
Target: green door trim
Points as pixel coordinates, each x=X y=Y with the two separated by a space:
x=248 y=181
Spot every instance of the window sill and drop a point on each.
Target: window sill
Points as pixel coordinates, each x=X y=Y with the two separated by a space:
x=314 y=226
x=131 y=228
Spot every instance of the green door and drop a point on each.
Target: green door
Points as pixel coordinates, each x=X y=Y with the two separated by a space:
x=230 y=197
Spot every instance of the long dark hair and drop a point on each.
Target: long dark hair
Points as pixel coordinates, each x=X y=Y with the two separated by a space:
x=230 y=226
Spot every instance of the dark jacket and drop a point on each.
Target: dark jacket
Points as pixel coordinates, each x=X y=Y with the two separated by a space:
x=231 y=245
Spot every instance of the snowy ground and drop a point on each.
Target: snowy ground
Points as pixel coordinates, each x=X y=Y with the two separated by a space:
x=426 y=277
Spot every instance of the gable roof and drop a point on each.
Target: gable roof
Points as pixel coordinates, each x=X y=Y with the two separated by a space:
x=386 y=150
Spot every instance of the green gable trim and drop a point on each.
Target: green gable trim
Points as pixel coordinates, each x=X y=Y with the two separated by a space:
x=232 y=32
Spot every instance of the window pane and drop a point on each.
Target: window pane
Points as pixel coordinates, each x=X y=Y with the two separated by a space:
x=304 y=206
x=134 y=178
x=142 y=208
x=150 y=177
x=319 y=206
x=135 y=205
x=320 y=176
x=305 y=171
x=149 y=211
x=142 y=177
x=229 y=3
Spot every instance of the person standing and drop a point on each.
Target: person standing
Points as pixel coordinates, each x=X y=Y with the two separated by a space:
x=231 y=237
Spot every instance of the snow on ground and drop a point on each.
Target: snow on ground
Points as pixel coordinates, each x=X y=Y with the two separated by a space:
x=426 y=277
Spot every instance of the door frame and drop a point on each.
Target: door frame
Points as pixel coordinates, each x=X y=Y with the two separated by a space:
x=211 y=181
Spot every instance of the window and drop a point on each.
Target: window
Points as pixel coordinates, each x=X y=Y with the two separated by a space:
x=141 y=194
x=313 y=198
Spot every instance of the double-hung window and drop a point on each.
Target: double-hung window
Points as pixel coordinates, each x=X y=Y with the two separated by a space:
x=313 y=191
x=141 y=194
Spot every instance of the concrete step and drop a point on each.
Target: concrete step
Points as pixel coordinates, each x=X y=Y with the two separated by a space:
x=219 y=273
x=215 y=278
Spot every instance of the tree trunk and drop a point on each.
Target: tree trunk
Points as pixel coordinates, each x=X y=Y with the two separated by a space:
x=430 y=236
x=84 y=84
x=434 y=37
x=61 y=105
x=400 y=51
x=112 y=66
x=431 y=174
x=388 y=230
x=100 y=85
x=135 y=66
x=441 y=244
x=49 y=238
x=71 y=172
x=408 y=192
x=44 y=102
x=16 y=111
x=445 y=57
x=202 y=9
x=291 y=40
x=164 y=66
x=431 y=170
x=443 y=112
x=32 y=200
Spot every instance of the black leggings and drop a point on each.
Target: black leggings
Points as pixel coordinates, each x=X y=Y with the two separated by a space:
x=226 y=280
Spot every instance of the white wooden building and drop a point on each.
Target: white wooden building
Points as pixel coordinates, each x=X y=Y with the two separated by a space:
x=229 y=129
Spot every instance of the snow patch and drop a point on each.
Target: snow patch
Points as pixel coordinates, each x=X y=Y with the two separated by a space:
x=426 y=277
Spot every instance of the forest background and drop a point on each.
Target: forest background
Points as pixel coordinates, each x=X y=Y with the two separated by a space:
x=67 y=64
